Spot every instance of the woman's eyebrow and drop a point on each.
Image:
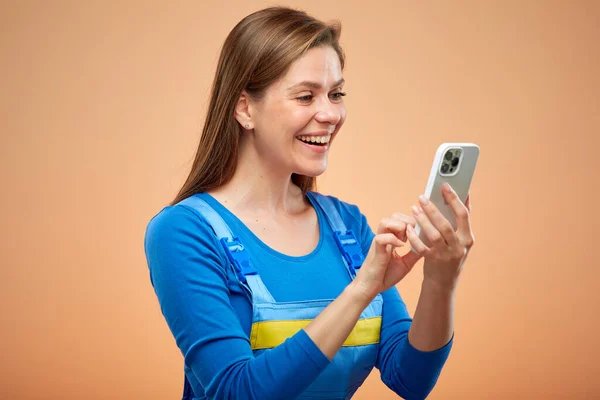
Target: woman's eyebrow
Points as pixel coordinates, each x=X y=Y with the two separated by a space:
x=313 y=85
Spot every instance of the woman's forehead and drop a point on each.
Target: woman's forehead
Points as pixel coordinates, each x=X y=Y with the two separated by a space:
x=319 y=68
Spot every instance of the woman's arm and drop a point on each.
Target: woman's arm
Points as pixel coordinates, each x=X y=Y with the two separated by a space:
x=188 y=273
x=408 y=371
x=431 y=332
x=433 y=322
x=444 y=258
x=333 y=325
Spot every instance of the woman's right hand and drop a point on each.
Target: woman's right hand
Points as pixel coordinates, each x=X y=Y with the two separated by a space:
x=384 y=267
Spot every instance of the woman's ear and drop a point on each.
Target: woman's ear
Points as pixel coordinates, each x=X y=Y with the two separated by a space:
x=242 y=111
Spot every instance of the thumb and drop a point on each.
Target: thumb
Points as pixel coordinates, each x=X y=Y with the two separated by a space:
x=410 y=259
x=383 y=244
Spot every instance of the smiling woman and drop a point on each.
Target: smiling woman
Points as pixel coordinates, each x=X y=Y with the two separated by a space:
x=255 y=56
x=296 y=117
x=272 y=290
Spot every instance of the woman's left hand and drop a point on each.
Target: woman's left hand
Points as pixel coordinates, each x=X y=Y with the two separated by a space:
x=449 y=248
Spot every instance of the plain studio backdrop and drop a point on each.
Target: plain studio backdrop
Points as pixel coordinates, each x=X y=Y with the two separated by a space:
x=102 y=106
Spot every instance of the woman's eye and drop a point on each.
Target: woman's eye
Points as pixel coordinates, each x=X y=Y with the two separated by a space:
x=306 y=98
x=338 y=95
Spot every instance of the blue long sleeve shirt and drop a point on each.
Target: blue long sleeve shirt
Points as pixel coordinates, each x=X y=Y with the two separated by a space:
x=211 y=318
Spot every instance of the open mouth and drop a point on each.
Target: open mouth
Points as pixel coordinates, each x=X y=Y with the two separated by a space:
x=319 y=141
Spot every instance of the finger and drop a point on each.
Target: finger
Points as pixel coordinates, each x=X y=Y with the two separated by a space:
x=394 y=226
x=400 y=266
x=416 y=243
x=437 y=219
x=382 y=247
x=460 y=210
x=382 y=240
x=434 y=236
x=468 y=203
x=410 y=259
x=407 y=219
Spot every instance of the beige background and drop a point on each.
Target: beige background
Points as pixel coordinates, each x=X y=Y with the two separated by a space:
x=102 y=103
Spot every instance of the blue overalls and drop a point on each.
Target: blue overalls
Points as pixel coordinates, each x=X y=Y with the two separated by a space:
x=273 y=322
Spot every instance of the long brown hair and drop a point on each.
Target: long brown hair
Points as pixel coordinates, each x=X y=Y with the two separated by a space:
x=257 y=52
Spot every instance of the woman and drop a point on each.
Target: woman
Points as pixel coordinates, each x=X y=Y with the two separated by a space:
x=271 y=290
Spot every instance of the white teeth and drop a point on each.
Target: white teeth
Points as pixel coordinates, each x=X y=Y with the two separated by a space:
x=315 y=139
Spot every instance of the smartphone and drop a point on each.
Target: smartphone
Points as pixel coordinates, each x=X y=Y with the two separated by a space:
x=453 y=163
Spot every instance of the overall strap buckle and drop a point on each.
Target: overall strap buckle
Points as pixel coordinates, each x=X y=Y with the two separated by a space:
x=350 y=249
x=239 y=258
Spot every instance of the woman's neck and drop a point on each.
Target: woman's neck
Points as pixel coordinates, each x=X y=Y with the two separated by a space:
x=261 y=188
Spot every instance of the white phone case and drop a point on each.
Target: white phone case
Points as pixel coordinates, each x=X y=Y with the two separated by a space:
x=458 y=176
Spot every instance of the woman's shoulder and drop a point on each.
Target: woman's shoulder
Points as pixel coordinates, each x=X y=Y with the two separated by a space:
x=171 y=216
x=182 y=249
x=179 y=224
x=347 y=210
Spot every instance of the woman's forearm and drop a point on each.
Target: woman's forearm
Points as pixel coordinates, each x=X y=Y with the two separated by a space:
x=333 y=325
x=433 y=322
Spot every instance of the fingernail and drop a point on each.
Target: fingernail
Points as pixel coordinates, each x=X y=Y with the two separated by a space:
x=424 y=200
x=447 y=187
x=415 y=210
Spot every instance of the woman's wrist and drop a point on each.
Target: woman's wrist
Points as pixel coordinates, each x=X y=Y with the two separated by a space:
x=439 y=289
x=359 y=294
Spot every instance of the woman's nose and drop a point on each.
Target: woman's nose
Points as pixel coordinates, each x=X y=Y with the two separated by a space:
x=328 y=113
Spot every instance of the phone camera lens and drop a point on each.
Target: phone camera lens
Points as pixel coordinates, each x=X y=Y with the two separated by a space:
x=448 y=155
x=455 y=162
x=445 y=168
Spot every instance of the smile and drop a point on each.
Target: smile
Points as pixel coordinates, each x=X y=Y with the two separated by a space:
x=315 y=140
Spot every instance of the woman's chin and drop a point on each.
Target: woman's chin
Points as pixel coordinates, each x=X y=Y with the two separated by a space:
x=312 y=172
x=309 y=167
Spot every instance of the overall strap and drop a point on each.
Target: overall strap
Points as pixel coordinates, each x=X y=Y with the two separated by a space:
x=348 y=245
x=345 y=238
x=235 y=250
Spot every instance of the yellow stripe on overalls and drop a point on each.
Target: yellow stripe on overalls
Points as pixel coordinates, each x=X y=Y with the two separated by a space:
x=269 y=334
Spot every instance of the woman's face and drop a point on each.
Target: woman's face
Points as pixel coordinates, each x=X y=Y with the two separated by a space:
x=305 y=105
